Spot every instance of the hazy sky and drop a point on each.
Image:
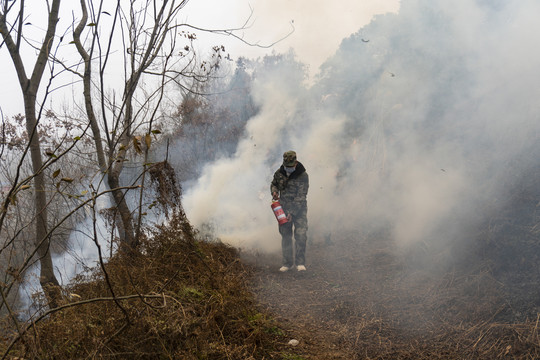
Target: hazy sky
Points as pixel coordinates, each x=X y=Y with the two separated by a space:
x=319 y=27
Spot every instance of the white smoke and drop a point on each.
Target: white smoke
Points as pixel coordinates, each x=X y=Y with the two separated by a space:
x=234 y=193
x=79 y=258
x=411 y=125
x=317 y=26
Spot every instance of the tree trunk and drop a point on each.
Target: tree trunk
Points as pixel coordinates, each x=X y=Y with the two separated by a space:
x=29 y=88
x=47 y=279
x=127 y=235
x=115 y=165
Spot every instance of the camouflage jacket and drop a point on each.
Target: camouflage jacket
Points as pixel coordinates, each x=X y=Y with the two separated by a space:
x=292 y=189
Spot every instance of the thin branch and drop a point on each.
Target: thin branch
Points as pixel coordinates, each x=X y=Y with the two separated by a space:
x=26 y=263
x=70 y=305
x=19 y=31
x=102 y=263
x=232 y=32
x=3 y=138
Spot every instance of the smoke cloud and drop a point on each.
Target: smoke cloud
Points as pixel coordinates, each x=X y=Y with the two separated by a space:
x=317 y=25
x=421 y=123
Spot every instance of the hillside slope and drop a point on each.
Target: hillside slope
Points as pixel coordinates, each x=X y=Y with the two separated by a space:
x=179 y=298
x=361 y=298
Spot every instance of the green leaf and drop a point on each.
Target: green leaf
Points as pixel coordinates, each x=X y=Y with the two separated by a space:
x=56 y=173
x=91 y=24
x=66 y=179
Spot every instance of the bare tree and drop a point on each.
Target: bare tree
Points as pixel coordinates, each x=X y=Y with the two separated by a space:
x=12 y=34
x=149 y=43
x=154 y=51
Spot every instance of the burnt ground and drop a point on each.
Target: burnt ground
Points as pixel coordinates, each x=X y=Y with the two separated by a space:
x=361 y=298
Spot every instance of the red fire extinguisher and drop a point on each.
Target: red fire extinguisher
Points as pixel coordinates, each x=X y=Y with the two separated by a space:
x=278 y=212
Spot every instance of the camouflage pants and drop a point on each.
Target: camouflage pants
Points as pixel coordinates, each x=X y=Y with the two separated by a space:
x=300 y=224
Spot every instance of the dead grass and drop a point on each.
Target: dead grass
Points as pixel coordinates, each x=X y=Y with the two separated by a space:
x=363 y=299
x=179 y=299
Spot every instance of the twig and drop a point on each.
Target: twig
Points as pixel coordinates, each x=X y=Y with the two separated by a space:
x=66 y=306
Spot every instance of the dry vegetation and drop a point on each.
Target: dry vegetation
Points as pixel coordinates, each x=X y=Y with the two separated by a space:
x=472 y=297
x=361 y=298
x=182 y=299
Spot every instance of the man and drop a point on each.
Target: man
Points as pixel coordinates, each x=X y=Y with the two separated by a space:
x=290 y=186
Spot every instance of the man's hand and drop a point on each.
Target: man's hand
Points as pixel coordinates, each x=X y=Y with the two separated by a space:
x=275 y=195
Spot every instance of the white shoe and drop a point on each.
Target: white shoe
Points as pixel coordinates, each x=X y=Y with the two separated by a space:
x=301 y=268
x=284 y=268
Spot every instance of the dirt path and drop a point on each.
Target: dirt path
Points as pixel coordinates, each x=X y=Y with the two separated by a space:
x=360 y=299
x=328 y=306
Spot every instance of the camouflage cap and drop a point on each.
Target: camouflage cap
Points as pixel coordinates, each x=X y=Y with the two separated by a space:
x=289 y=158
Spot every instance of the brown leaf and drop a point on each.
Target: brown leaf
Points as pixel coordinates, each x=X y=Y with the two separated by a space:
x=137 y=144
x=148 y=140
